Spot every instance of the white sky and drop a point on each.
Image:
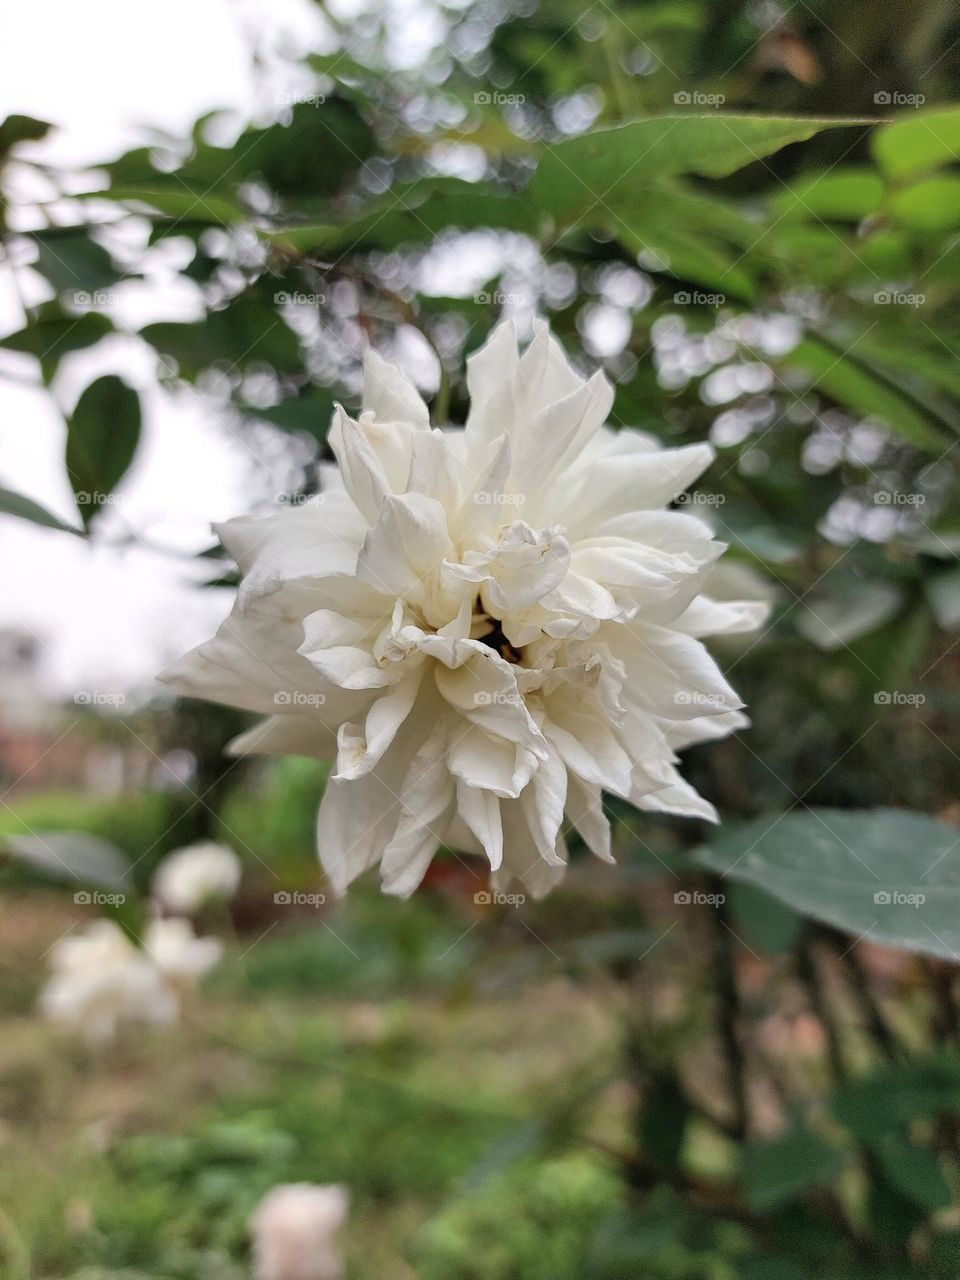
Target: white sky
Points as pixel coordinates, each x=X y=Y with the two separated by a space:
x=110 y=616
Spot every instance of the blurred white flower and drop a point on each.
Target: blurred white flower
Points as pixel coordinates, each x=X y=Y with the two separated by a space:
x=294 y=1232
x=101 y=979
x=180 y=956
x=190 y=877
x=486 y=627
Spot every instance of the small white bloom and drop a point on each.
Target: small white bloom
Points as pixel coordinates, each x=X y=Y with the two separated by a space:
x=190 y=877
x=101 y=978
x=486 y=627
x=180 y=956
x=294 y=1232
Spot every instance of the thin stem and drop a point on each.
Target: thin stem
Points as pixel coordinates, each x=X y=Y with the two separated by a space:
x=729 y=1013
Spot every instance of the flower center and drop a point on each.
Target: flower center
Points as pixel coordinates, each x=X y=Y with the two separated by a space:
x=495 y=638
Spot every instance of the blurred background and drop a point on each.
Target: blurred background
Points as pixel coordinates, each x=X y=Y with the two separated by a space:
x=208 y=215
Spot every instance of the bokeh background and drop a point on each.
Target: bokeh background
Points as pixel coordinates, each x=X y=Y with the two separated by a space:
x=208 y=214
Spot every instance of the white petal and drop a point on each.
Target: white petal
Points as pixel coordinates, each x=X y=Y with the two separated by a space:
x=390 y=395
x=543 y=802
x=480 y=810
x=584 y=808
x=361 y=751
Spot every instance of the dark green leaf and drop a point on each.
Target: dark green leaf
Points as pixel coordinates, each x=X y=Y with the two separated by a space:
x=883 y=873
x=18 y=128
x=72 y=856
x=594 y=169
x=775 y=1172
x=891 y=1098
x=15 y=504
x=918 y=142
x=102 y=436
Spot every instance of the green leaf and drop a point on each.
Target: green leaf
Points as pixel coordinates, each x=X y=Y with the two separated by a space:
x=18 y=128
x=15 y=504
x=596 y=168
x=53 y=335
x=776 y=1172
x=663 y=1124
x=917 y=143
x=309 y=413
x=74 y=263
x=761 y=921
x=838 y=195
x=885 y=874
x=930 y=205
x=943 y=592
x=891 y=1098
x=102 y=437
x=180 y=204
x=844 y=379
x=248 y=331
x=315 y=154
x=915 y=1172
x=72 y=856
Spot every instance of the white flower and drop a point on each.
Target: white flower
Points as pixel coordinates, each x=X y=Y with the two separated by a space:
x=179 y=955
x=188 y=878
x=294 y=1232
x=485 y=627
x=101 y=978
